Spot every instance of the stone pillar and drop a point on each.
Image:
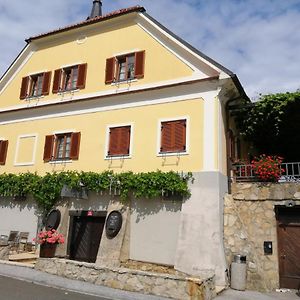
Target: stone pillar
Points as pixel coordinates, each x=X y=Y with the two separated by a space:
x=111 y=251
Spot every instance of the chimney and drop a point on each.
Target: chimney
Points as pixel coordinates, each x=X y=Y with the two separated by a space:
x=96 y=9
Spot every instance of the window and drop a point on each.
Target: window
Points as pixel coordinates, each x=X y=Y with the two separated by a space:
x=62 y=146
x=35 y=85
x=125 y=67
x=3 y=151
x=70 y=78
x=119 y=141
x=173 y=136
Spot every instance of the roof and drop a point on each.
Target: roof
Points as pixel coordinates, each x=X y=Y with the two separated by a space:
x=105 y=17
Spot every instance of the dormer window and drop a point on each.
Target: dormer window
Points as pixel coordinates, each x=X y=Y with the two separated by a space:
x=69 y=78
x=35 y=85
x=125 y=67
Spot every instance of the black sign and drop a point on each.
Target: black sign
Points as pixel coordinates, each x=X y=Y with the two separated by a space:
x=53 y=219
x=113 y=224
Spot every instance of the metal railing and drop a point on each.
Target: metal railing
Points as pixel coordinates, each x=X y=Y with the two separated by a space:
x=290 y=173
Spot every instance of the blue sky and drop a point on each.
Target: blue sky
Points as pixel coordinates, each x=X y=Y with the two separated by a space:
x=259 y=40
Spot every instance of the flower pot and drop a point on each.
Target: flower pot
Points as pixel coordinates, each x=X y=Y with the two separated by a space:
x=47 y=250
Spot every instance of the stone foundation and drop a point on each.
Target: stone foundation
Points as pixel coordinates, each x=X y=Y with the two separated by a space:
x=249 y=220
x=166 y=285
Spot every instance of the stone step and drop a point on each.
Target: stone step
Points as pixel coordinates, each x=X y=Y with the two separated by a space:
x=24 y=257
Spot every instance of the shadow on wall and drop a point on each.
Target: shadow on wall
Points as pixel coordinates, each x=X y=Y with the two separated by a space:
x=144 y=207
x=24 y=204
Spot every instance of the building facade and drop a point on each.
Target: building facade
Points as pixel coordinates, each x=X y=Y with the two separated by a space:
x=121 y=92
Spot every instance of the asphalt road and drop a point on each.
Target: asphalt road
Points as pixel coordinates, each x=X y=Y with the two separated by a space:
x=14 y=289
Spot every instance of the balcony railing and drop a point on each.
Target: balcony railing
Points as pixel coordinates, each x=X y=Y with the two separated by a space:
x=242 y=173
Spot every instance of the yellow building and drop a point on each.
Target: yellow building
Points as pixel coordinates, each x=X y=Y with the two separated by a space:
x=121 y=92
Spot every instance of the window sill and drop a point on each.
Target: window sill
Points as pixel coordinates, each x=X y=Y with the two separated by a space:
x=163 y=154
x=123 y=82
x=60 y=161
x=66 y=92
x=125 y=156
x=34 y=97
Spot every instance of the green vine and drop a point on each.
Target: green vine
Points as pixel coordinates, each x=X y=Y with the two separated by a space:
x=46 y=189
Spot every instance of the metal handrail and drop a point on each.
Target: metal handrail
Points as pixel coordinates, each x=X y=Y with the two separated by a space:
x=245 y=172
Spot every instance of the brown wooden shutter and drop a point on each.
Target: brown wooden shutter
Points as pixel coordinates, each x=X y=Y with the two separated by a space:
x=139 y=64
x=56 y=81
x=46 y=83
x=110 y=70
x=24 y=87
x=75 y=144
x=119 y=141
x=48 y=149
x=180 y=135
x=81 y=76
x=173 y=136
x=3 y=151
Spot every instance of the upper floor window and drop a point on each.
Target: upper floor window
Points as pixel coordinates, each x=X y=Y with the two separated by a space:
x=119 y=141
x=3 y=151
x=173 y=136
x=35 y=85
x=62 y=146
x=69 y=78
x=125 y=67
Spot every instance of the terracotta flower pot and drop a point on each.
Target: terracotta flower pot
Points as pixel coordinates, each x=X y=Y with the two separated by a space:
x=47 y=250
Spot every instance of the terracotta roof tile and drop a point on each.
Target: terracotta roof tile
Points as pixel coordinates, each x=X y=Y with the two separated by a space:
x=113 y=14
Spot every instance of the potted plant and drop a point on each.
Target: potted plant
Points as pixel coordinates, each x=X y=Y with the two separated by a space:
x=267 y=167
x=48 y=240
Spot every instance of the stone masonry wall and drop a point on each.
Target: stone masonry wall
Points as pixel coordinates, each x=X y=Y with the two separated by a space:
x=249 y=220
x=166 y=285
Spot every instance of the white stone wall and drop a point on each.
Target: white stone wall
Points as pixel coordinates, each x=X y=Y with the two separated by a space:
x=19 y=216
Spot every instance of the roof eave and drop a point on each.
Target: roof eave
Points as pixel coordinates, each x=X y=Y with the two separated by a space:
x=103 y=18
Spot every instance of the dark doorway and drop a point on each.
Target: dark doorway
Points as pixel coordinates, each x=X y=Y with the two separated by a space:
x=85 y=234
x=288 y=231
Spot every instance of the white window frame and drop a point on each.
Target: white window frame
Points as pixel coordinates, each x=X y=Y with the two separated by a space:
x=106 y=148
x=29 y=163
x=187 y=137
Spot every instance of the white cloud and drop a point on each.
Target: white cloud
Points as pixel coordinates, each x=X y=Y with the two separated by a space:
x=257 y=40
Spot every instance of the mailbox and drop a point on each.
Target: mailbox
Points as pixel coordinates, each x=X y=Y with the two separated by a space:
x=268 y=248
x=113 y=224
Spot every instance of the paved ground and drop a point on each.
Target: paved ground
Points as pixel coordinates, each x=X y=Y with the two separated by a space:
x=250 y=295
x=68 y=285
x=14 y=289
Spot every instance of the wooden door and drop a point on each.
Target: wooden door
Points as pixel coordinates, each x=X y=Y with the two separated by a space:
x=85 y=237
x=288 y=231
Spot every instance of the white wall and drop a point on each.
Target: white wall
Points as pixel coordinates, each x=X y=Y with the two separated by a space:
x=154 y=226
x=200 y=243
x=18 y=215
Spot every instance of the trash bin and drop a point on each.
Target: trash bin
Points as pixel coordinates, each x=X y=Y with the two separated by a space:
x=238 y=272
